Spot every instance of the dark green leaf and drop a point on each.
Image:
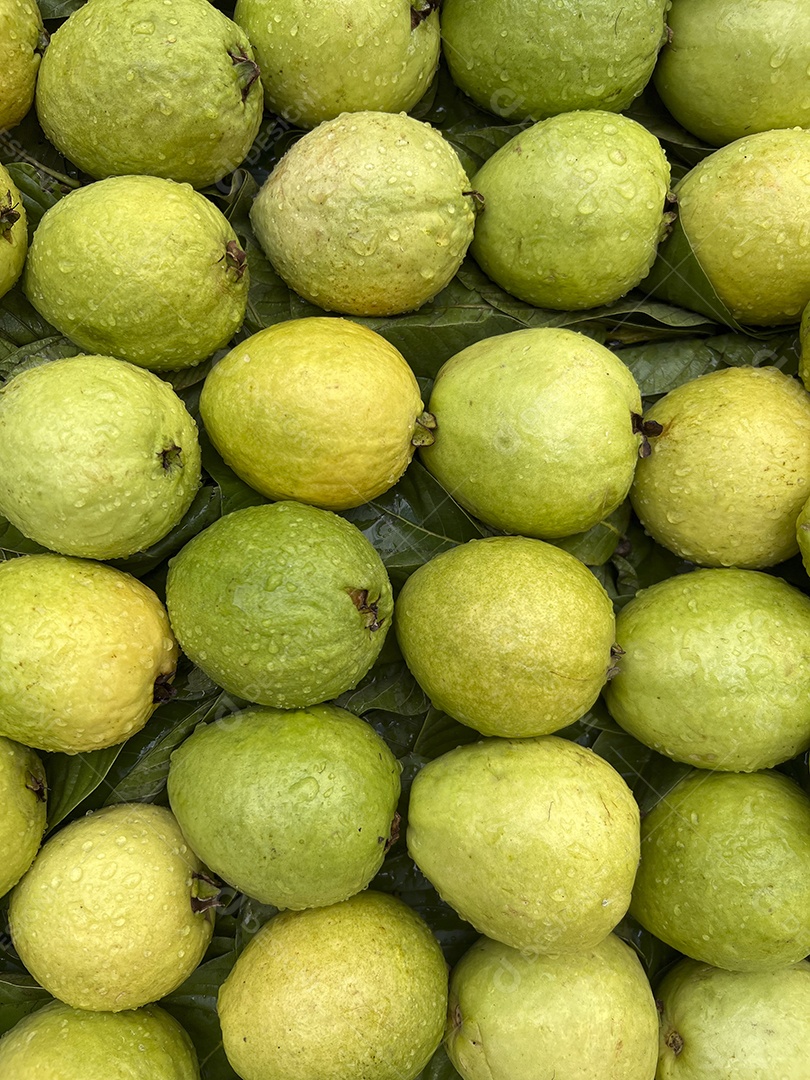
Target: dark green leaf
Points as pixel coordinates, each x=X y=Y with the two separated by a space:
x=441 y=733
x=73 y=777
x=439 y=1068
x=56 y=347
x=38 y=191
x=194 y=1005
x=477 y=145
x=19 y=996
x=649 y=111
x=59 y=9
x=234 y=494
x=12 y=541
x=390 y=688
x=654 y=954
x=649 y=775
x=27 y=143
x=20 y=324
x=598 y=544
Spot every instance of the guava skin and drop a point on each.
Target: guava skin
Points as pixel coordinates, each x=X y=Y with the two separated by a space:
x=22 y=40
x=533 y=841
x=167 y=88
x=60 y=1043
x=527 y=60
x=23 y=798
x=516 y=607
x=588 y=1015
x=734 y=1025
x=357 y=989
x=105 y=918
x=319 y=60
x=730 y=70
x=725 y=870
x=98 y=458
x=715 y=669
x=293 y=808
x=512 y=443
x=86 y=652
x=139 y=268
x=574 y=209
x=729 y=474
x=283 y=605
x=366 y=215
x=323 y=411
x=13 y=232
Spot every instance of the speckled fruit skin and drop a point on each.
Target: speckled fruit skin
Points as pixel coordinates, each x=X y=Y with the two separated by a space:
x=715 y=669
x=725 y=870
x=139 y=268
x=60 y=1043
x=23 y=798
x=21 y=39
x=284 y=605
x=529 y=59
x=573 y=210
x=293 y=808
x=734 y=1025
x=533 y=841
x=319 y=60
x=358 y=989
x=323 y=411
x=521 y=608
x=588 y=1015
x=732 y=69
x=727 y=478
x=513 y=443
x=84 y=650
x=104 y=919
x=367 y=214
x=13 y=231
x=150 y=86
x=98 y=458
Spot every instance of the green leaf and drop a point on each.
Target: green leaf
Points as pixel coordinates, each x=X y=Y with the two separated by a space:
x=38 y=191
x=56 y=347
x=599 y=543
x=650 y=776
x=653 y=953
x=390 y=688
x=194 y=1005
x=439 y=1068
x=74 y=777
x=477 y=145
x=12 y=541
x=234 y=493
x=440 y=733
x=59 y=9
x=20 y=324
x=650 y=111
x=19 y=996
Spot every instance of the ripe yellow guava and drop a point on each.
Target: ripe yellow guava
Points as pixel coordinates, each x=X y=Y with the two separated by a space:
x=13 y=232
x=23 y=796
x=22 y=42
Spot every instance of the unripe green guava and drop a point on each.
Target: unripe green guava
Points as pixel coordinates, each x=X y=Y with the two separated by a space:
x=13 y=231
x=370 y=214
x=533 y=841
x=23 y=799
x=139 y=268
x=513 y=442
x=22 y=42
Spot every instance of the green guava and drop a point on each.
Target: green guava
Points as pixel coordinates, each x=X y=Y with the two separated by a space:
x=113 y=913
x=86 y=653
x=60 y=1043
x=725 y=870
x=730 y=472
x=22 y=42
x=323 y=411
x=533 y=841
x=731 y=69
x=513 y=443
x=715 y=669
x=13 y=230
x=574 y=209
x=734 y=1025
x=357 y=989
x=529 y=59
x=370 y=214
x=293 y=808
x=508 y=635
x=98 y=458
x=168 y=88
x=23 y=798
x=588 y=1015
x=319 y=60
x=284 y=605
x=139 y=268
x=804 y=347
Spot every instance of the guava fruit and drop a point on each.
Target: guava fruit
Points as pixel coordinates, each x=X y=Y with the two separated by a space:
x=60 y=1043
x=319 y=60
x=139 y=268
x=510 y=636
x=323 y=411
x=13 y=231
x=730 y=69
x=22 y=42
x=725 y=870
x=98 y=458
x=588 y=1015
x=284 y=605
x=86 y=653
x=23 y=798
x=533 y=841
x=729 y=473
x=715 y=669
x=113 y=913
x=513 y=443
x=169 y=88
x=293 y=808
x=734 y=1025
x=370 y=214
x=357 y=989
x=529 y=59
x=574 y=209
